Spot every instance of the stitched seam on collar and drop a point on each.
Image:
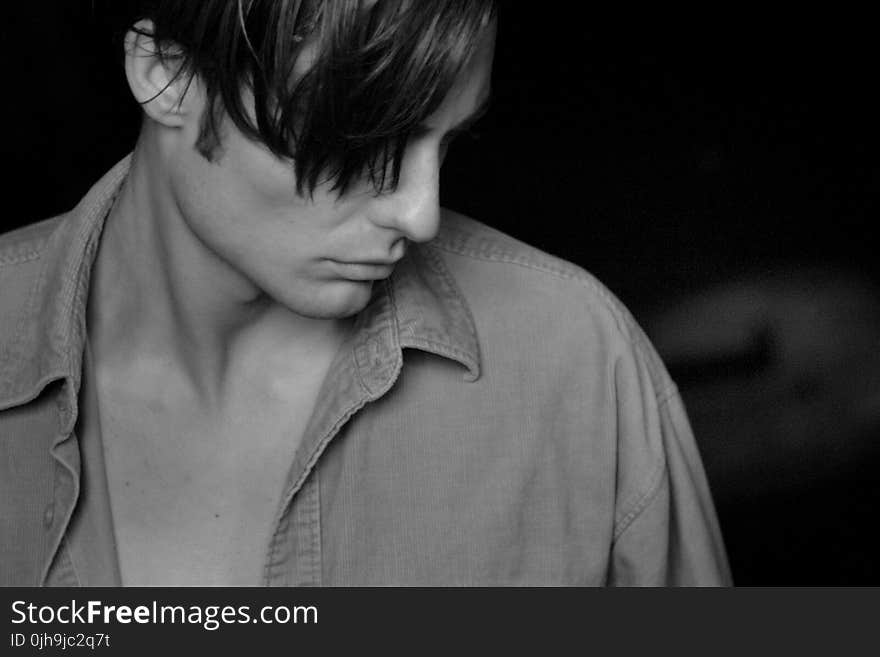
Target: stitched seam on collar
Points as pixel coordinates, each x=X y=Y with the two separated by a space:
x=357 y=370
x=396 y=350
x=439 y=267
x=473 y=361
x=78 y=298
x=389 y=324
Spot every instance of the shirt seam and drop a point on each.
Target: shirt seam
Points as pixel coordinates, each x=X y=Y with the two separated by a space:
x=626 y=325
x=509 y=258
x=32 y=246
x=8 y=260
x=665 y=395
x=657 y=480
x=318 y=556
x=310 y=464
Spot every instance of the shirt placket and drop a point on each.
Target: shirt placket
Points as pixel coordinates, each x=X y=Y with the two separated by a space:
x=365 y=369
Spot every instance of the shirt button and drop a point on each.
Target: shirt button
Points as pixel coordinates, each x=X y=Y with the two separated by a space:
x=49 y=515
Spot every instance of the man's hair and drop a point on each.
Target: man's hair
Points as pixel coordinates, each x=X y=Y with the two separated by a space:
x=374 y=71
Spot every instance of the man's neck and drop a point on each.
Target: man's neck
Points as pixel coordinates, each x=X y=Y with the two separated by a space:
x=162 y=302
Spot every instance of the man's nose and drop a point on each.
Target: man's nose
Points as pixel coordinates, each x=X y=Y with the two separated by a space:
x=413 y=208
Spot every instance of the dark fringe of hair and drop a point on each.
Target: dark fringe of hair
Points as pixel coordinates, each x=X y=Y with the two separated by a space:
x=374 y=73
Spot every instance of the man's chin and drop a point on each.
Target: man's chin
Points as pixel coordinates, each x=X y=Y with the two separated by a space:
x=341 y=301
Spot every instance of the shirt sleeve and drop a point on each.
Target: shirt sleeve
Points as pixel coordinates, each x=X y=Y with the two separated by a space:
x=666 y=530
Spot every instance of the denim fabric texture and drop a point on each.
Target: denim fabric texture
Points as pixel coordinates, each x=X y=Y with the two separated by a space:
x=496 y=418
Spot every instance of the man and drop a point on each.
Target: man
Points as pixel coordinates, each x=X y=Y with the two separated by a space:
x=258 y=352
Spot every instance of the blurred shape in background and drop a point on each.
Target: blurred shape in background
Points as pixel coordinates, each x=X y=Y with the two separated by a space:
x=780 y=372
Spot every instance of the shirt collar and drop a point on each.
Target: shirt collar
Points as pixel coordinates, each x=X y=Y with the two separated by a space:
x=430 y=312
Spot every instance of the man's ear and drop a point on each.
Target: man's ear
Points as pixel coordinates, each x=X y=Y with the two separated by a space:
x=166 y=97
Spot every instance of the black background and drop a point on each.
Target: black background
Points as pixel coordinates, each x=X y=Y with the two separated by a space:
x=673 y=158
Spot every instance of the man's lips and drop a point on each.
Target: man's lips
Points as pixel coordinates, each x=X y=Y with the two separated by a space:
x=370 y=270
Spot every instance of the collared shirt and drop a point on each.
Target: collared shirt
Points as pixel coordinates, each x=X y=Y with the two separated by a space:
x=496 y=418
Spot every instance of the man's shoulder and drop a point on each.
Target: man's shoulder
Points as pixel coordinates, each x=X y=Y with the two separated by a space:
x=27 y=242
x=521 y=296
x=23 y=255
x=522 y=278
x=23 y=252
x=468 y=237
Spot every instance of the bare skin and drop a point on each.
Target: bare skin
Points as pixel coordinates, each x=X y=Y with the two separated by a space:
x=202 y=406
x=219 y=299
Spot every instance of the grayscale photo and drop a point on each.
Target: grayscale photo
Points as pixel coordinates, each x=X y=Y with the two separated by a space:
x=448 y=293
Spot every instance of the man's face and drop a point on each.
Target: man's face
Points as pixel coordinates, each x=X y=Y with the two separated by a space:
x=318 y=256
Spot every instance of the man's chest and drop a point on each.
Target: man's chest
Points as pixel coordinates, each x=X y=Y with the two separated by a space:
x=194 y=497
